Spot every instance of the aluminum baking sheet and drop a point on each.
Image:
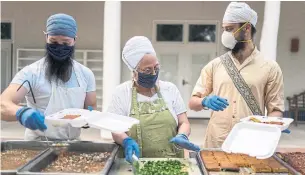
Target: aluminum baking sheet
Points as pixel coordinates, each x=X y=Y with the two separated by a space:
x=48 y=157
x=193 y=168
x=243 y=171
x=20 y=144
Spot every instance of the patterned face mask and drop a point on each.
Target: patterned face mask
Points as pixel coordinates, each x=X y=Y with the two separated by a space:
x=147 y=80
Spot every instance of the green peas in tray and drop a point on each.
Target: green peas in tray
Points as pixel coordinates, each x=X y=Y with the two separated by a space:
x=162 y=167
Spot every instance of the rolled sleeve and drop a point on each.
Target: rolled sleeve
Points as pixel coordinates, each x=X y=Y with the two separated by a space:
x=275 y=90
x=204 y=84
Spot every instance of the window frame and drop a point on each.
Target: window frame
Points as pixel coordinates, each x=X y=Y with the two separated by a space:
x=168 y=22
x=185 y=31
x=12 y=30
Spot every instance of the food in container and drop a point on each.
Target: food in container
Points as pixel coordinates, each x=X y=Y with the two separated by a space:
x=217 y=161
x=280 y=122
x=14 y=158
x=213 y=167
x=261 y=168
x=228 y=166
x=253 y=119
x=75 y=162
x=71 y=116
x=295 y=159
x=172 y=167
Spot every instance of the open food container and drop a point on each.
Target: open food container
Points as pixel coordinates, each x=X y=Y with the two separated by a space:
x=74 y=116
x=172 y=166
x=253 y=139
x=280 y=122
x=95 y=119
x=217 y=162
x=16 y=154
x=80 y=158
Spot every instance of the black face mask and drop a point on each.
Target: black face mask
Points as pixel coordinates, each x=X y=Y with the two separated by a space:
x=58 y=69
x=147 y=80
x=60 y=52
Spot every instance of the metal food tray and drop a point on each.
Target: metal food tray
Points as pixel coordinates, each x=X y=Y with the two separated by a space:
x=193 y=168
x=48 y=157
x=290 y=168
x=243 y=171
x=20 y=144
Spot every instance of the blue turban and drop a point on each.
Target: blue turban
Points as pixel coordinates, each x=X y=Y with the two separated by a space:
x=61 y=24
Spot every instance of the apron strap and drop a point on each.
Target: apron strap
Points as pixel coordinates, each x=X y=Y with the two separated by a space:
x=77 y=74
x=135 y=110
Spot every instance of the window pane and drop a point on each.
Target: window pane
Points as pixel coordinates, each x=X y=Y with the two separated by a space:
x=202 y=33
x=6 y=30
x=170 y=32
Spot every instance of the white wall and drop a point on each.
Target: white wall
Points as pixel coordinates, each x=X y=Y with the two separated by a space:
x=292 y=24
x=30 y=20
x=137 y=17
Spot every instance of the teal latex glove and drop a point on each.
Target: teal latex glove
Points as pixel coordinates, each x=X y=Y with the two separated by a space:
x=215 y=103
x=31 y=118
x=183 y=141
x=130 y=147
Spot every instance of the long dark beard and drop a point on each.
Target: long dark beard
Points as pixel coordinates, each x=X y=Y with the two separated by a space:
x=58 y=70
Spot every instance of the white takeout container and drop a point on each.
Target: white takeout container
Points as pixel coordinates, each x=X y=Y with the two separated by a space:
x=110 y=121
x=254 y=139
x=286 y=121
x=95 y=119
x=56 y=119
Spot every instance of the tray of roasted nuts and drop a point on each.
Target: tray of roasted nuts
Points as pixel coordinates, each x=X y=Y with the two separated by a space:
x=295 y=161
x=215 y=161
x=79 y=158
x=16 y=154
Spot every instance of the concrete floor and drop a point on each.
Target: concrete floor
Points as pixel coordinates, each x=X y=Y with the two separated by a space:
x=296 y=138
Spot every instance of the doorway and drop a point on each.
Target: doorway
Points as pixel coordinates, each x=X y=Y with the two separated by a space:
x=183 y=49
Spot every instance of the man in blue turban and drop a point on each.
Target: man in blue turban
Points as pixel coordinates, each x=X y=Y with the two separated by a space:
x=56 y=82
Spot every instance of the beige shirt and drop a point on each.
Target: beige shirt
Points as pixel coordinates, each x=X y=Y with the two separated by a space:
x=264 y=77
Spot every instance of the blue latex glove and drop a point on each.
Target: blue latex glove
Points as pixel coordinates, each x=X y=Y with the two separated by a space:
x=287 y=131
x=31 y=118
x=90 y=108
x=130 y=147
x=215 y=103
x=183 y=141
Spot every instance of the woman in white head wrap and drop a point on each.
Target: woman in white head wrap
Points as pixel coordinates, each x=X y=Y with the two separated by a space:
x=157 y=104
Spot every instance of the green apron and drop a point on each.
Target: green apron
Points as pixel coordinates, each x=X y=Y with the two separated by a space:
x=157 y=126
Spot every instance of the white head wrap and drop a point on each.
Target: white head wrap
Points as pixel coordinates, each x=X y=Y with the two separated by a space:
x=240 y=12
x=135 y=49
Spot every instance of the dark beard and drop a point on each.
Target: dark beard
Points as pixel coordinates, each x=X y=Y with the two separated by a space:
x=239 y=47
x=58 y=70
